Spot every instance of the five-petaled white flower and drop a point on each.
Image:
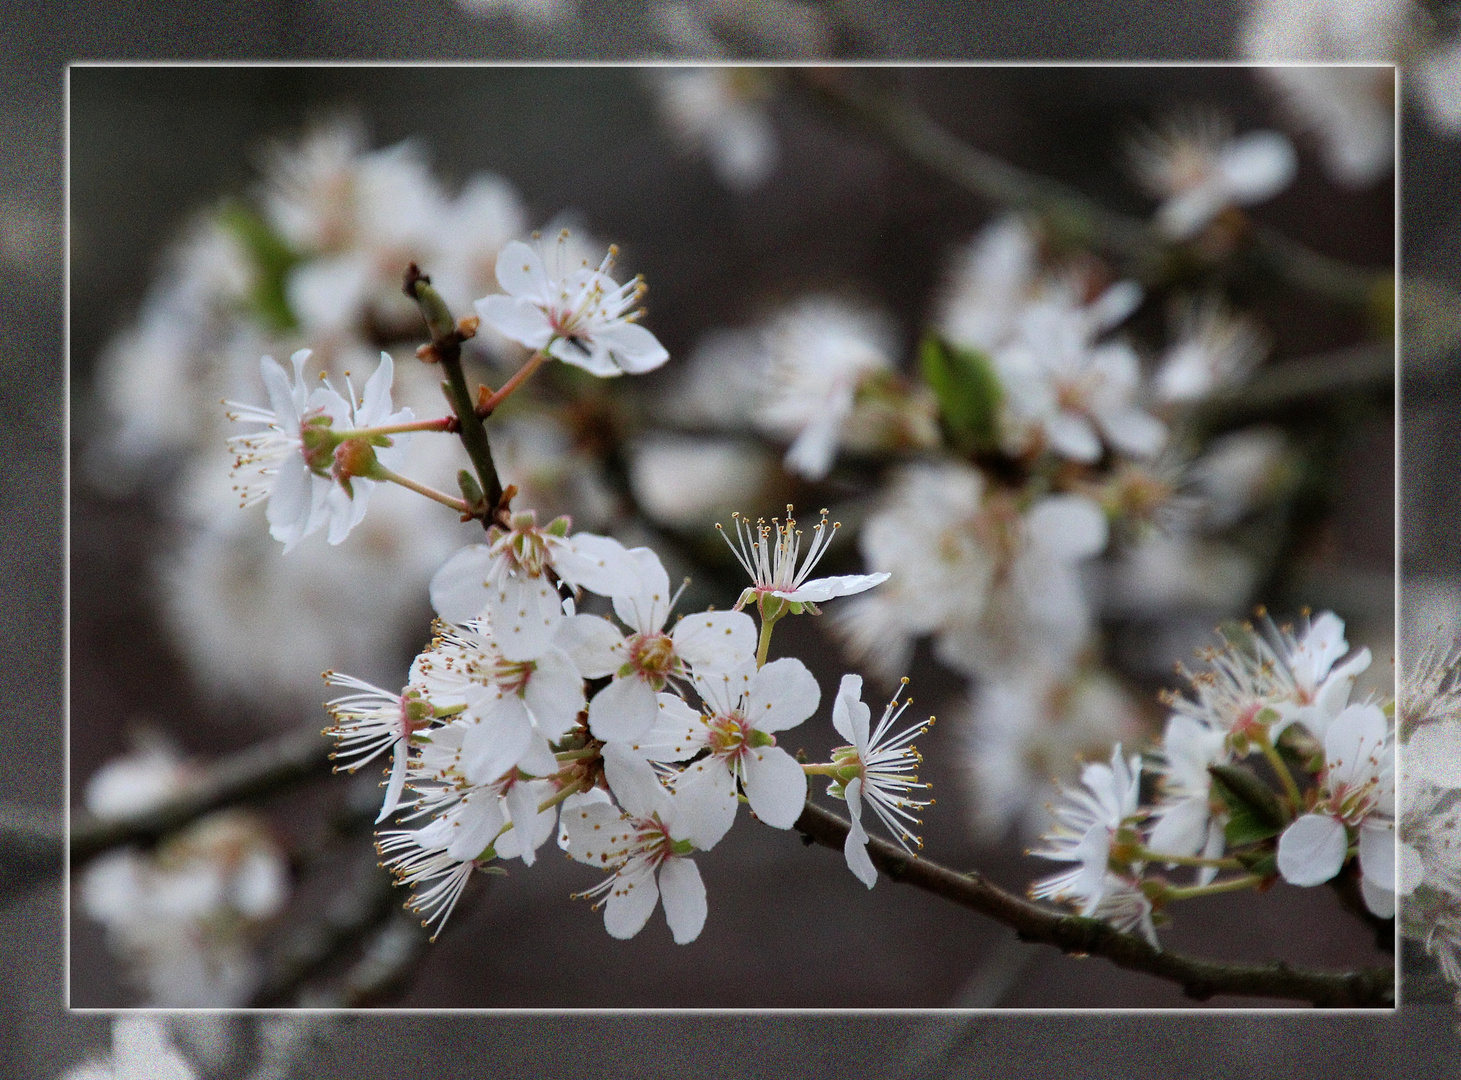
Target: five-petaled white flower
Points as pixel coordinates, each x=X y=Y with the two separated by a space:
x=1085 y=832
x=773 y=564
x=575 y=313
x=878 y=767
x=644 y=661
x=651 y=837
x=302 y=462
x=510 y=580
x=372 y=720
x=742 y=710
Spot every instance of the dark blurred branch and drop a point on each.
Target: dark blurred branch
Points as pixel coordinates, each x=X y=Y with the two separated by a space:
x=1303 y=381
x=247 y=776
x=30 y=848
x=1200 y=979
x=1140 y=247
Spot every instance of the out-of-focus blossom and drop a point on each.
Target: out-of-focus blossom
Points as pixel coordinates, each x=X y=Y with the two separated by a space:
x=685 y=482
x=720 y=110
x=141 y=1050
x=1199 y=168
x=1214 y=351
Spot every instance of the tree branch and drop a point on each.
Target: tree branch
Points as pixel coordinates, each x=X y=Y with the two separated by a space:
x=1141 y=248
x=247 y=776
x=1200 y=979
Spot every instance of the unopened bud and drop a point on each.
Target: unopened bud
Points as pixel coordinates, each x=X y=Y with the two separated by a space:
x=467 y=326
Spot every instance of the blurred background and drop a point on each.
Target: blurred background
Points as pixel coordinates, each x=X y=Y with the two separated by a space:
x=38 y=1040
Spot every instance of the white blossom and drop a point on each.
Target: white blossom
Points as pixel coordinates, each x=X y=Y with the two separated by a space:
x=1185 y=822
x=720 y=110
x=296 y=463
x=1200 y=168
x=371 y=721
x=577 y=314
x=878 y=769
x=1215 y=350
x=777 y=568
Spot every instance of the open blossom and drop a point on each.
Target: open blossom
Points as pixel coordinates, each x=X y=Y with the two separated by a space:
x=644 y=661
x=647 y=846
x=371 y=721
x=1214 y=350
x=578 y=314
x=300 y=463
x=1359 y=795
x=511 y=580
x=1185 y=822
x=773 y=565
x=822 y=351
x=743 y=710
x=879 y=769
x=1085 y=832
x=1200 y=169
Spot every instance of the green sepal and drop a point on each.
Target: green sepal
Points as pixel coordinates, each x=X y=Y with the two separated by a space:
x=682 y=847
x=471 y=490
x=559 y=526
x=1254 y=812
x=968 y=392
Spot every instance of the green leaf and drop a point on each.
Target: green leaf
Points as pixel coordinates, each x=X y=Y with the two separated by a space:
x=1254 y=813
x=272 y=258
x=967 y=389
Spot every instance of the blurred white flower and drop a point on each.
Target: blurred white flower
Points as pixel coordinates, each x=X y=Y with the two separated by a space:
x=991 y=280
x=1199 y=168
x=1215 y=350
x=141 y=1050
x=684 y=481
x=720 y=109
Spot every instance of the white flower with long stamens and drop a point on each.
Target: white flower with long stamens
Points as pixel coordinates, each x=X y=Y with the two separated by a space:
x=878 y=769
x=742 y=710
x=644 y=661
x=647 y=845
x=302 y=462
x=1086 y=832
x=511 y=580
x=1317 y=690
x=512 y=709
x=773 y=567
x=371 y=721
x=1359 y=796
x=1200 y=169
x=577 y=314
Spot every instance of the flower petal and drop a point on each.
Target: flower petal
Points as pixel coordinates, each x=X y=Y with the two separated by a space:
x=849 y=715
x=524 y=612
x=593 y=643
x=715 y=640
x=705 y=798
x=684 y=895
x=821 y=590
x=1311 y=850
x=776 y=787
x=519 y=320
x=459 y=588
x=623 y=711
x=554 y=693
x=631 y=901
x=782 y=695
x=635 y=349
x=854 y=848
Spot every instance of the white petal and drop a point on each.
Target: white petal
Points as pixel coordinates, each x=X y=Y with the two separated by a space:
x=593 y=357
x=1434 y=753
x=593 y=831
x=554 y=693
x=634 y=347
x=1114 y=305
x=678 y=733
x=1184 y=214
x=646 y=606
x=782 y=695
x=1073 y=436
x=705 y=797
x=1134 y=432
x=375 y=401
x=776 y=787
x=141 y=1051
x=1379 y=900
x=1353 y=739
x=1377 y=853
x=524 y=612
x=1181 y=828
x=520 y=271
x=480 y=821
x=634 y=784
x=401 y=757
x=459 y=589
x=630 y=903
x=623 y=711
x=1311 y=850
x=520 y=320
x=599 y=564
x=1410 y=871
x=1258 y=165
x=849 y=715
x=854 y=848
x=812 y=452
x=684 y=895
x=530 y=829
x=281 y=393
x=821 y=590
x=1070 y=527
x=715 y=640
x=291 y=502
x=593 y=644
x=494 y=743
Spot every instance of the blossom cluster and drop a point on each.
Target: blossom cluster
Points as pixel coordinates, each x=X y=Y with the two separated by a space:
x=1284 y=696
x=646 y=734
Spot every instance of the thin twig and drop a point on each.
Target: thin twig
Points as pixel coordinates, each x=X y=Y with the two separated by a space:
x=446 y=349
x=1138 y=246
x=247 y=776
x=1200 y=979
